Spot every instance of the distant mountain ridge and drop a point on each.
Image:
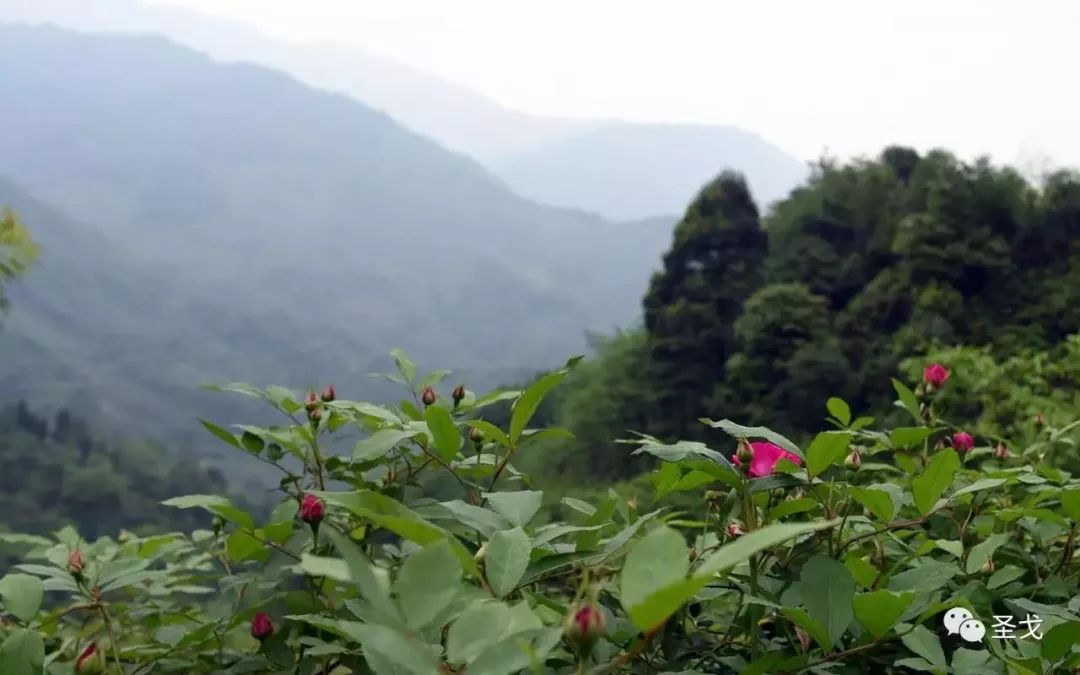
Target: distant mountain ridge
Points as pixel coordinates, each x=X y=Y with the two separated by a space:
x=618 y=169
x=203 y=221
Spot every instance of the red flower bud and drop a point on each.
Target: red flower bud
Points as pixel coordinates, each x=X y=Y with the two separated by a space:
x=315 y=415
x=935 y=375
x=1040 y=420
x=734 y=529
x=328 y=394
x=311 y=509
x=90 y=661
x=458 y=394
x=311 y=401
x=584 y=625
x=1001 y=452
x=261 y=626
x=962 y=441
x=75 y=562
x=428 y=395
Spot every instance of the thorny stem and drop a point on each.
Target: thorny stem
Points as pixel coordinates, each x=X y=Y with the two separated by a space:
x=112 y=638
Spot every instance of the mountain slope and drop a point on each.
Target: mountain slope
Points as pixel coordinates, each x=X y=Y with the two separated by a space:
x=628 y=170
x=261 y=230
x=618 y=169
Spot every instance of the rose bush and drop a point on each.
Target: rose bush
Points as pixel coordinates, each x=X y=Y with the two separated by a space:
x=840 y=557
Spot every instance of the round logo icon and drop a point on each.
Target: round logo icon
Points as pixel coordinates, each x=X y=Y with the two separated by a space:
x=959 y=621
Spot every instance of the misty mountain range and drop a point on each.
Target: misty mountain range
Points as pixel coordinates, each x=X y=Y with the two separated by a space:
x=205 y=221
x=616 y=169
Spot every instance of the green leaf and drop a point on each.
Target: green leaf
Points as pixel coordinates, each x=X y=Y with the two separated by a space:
x=446 y=436
x=517 y=652
x=928 y=488
x=22 y=653
x=803 y=620
x=927 y=645
x=480 y=519
x=517 y=507
x=476 y=628
x=362 y=575
x=955 y=548
x=827 y=590
x=878 y=611
x=907 y=398
x=981 y=484
x=739 y=431
x=839 y=409
x=222 y=434
x=792 y=506
x=240 y=546
x=827 y=448
x=983 y=551
x=733 y=553
x=909 y=437
x=22 y=595
x=507 y=558
x=928 y=576
x=1005 y=575
x=406 y=367
x=656 y=560
x=216 y=505
x=389 y=652
x=579 y=505
x=1059 y=640
x=878 y=502
x=252 y=443
x=427 y=583
x=526 y=405
x=1070 y=502
x=379 y=443
x=865 y=574
x=319 y=566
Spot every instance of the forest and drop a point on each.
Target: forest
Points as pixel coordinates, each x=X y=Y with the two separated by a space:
x=841 y=438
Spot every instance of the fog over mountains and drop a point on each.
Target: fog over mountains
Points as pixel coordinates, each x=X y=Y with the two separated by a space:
x=617 y=169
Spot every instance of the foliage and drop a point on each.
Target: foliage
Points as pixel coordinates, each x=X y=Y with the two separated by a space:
x=825 y=565
x=17 y=251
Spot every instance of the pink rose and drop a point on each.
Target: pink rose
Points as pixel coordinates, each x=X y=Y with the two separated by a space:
x=962 y=441
x=935 y=374
x=766 y=455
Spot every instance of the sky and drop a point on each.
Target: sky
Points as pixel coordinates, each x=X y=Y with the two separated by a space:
x=841 y=77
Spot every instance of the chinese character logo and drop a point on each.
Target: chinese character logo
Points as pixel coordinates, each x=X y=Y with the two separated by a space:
x=1005 y=629
x=960 y=621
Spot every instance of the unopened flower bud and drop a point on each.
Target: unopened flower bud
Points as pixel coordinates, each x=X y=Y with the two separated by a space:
x=962 y=441
x=1040 y=420
x=458 y=394
x=481 y=553
x=804 y=638
x=328 y=394
x=693 y=553
x=734 y=529
x=714 y=496
x=745 y=454
x=91 y=661
x=632 y=503
x=428 y=395
x=1001 y=452
x=988 y=567
x=476 y=435
x=584 y=625
x=311 y=401
x=217 y=524
x=854 y=460
x=934 y=376
x=261 y=626
x=311 y=509
x=75 y=563
x=315 y=415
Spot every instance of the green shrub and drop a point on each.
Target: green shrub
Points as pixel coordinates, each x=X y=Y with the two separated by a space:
x=844 y=556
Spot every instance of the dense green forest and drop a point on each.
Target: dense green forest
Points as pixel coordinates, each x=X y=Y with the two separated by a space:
x=762 y=316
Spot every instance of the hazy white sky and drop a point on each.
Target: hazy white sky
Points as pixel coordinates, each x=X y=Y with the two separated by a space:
x=977 y=76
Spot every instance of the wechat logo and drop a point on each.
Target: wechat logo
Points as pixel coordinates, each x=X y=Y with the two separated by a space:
x=959 y=621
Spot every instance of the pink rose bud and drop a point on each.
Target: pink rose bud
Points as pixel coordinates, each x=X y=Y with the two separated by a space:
x=1040 y=420
x=1001 y=452
x=935 y=375
x=311 y=509
x=314 y=415
x=458 y=394
x=328 y=394
x=91 y=661
x=311 y=401
x=734 y=529
x=428 y=395
x=75 y=562
x=962 y=441
x=854 y=460
x=261 y=626
x=584 y=625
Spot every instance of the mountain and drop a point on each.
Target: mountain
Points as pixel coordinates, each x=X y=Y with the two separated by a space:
x=627 y=170
x=618 y=169
x=206 y=221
